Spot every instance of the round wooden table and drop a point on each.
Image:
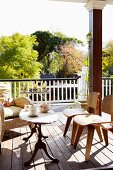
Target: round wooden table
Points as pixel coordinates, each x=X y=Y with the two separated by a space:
x=38 y=121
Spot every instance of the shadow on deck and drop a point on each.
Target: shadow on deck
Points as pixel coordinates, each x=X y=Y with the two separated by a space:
x=15 y=151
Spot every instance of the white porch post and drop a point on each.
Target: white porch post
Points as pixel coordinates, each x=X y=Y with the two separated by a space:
x=82 y=85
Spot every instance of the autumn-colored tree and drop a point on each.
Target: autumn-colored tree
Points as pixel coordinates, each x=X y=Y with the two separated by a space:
x=72 y=59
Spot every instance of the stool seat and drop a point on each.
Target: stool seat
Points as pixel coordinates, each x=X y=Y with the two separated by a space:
x=74 y=111
x=90 y=106
x=88 y=119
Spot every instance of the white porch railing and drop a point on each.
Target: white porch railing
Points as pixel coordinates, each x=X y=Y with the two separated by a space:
x=107 y=86
x=58 y=90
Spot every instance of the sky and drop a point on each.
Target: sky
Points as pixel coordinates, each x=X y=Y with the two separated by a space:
x=72 y=19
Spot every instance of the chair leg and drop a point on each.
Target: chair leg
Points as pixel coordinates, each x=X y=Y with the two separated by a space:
x=105 y=134
x=0 y=148
x=74 y=131
x=89 y=141
x=67 y=124
x=77 y=135
x=99 y=133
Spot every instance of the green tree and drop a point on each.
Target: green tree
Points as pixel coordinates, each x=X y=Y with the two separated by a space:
x=47 y=43
x=107 y=59
x=88 y=40
x=17 y=57
x=48 y=48
x=53 y=64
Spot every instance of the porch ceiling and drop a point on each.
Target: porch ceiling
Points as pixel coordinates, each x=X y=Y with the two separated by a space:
x=110 y=2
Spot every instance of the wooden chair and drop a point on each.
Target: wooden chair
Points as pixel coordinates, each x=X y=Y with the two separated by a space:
x=107 y=107
x=92 y=103
x=93 y=121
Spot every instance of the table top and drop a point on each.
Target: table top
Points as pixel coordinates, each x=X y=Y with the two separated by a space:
x=41 y=118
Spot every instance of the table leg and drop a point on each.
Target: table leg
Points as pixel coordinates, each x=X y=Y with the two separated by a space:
x=40 y=145
x=33 y=130
x=50 y=156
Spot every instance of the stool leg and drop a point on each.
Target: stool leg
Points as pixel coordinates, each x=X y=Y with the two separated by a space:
x=67 y=124
x=99 y=133
x=0 y=148
x=74 y=131
x=89 y=141
x=78 y=135
x=105 y=134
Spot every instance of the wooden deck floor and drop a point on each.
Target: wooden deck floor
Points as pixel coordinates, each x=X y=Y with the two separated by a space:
x=15 y=151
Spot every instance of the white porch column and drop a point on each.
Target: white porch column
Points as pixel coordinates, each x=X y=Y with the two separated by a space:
x=82 y=85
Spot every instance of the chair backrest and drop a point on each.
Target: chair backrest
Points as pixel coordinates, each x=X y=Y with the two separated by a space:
x=93 y=101
x=107 y=105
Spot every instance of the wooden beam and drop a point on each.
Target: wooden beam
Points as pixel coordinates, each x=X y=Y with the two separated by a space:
x=95 y=52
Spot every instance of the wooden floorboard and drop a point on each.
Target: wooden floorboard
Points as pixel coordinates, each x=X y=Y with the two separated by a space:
x=16 y=151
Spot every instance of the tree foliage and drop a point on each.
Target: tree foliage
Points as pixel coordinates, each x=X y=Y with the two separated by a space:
x=17 y=57
x=50 y=42
x=48 y=47
x=72 y=59
x=107 y=58
x=46 y=43
x=53 y=64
